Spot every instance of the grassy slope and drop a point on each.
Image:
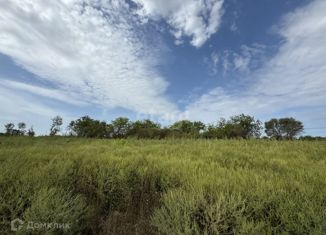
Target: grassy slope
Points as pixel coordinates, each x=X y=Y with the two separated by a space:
x=164 y=187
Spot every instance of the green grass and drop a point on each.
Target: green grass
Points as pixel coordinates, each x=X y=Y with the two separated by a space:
x=163 y=186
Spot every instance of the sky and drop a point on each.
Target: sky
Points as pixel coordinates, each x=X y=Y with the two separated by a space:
x=165 y=60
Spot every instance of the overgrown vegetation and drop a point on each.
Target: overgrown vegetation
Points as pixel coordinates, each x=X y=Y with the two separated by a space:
x=237 y=127
x=177 y=186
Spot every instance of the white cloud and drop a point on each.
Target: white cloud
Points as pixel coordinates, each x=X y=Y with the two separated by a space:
x=17 y=108
x=294 y=79
x=241 y=62
x=213 y=62
x=90 y=52
x=233 y=27
x=245 y=59
x=14 y=105
x=198 y=19
x=56 y=94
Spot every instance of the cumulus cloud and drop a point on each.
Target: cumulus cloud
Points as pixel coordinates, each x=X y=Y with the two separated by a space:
x=293 y=79
x=198 y=19
x=89 y=51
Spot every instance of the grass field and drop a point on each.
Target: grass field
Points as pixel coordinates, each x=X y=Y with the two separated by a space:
x=164 y=186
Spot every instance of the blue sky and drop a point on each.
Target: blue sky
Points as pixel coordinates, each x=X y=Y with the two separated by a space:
x=163 y=59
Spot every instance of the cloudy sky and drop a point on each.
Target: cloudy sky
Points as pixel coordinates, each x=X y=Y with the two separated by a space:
x=162 y=59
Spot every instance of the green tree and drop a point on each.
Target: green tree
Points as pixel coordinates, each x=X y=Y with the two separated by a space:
x=187 y=128
x=240 y=126
x=31 y=132
x=22 y=127
x=273 y=128
x=9 y=128
x=145 y=129
x=56 y=125
x=144 y=124
x=213 y=132
x=121 y=127
x=88 y=127
x=199 y=126
x=283 y=128
x=243 y=126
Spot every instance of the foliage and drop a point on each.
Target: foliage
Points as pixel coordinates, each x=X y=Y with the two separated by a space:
x=145 y=129
x=56 y=125
x=283 y=128
x=11 y=131
x=145 y=124
x=31 y=132
x=22 y=127
x=121 y=127
x=175 y=186
x=88 y=127
x=243 y=126
x=9 y=128
x=240 y=126
x=312 y=138
x=188 y=128
x=236 y=127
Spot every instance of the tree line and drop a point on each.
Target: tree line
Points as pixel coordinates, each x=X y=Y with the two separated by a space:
x=10 y=130
x=236 y=127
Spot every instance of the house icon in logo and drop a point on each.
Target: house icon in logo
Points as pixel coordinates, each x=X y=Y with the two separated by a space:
x=16 y=224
